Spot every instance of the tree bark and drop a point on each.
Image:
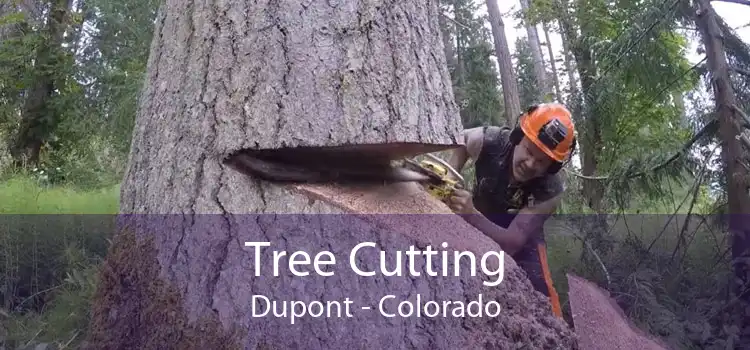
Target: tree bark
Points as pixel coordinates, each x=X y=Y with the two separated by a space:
x=292 y=74
x=536 y=54
x=733 y=155
x=508 y=80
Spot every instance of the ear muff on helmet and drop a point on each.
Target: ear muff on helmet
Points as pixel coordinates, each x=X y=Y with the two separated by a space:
x=517 y=134
x=557 y=166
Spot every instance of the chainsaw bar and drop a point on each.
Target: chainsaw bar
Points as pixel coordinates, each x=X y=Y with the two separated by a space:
x=324 y=170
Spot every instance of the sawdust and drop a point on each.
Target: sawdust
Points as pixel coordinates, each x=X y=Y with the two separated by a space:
x=396 y=198
x=528 y=321
x=136 y=307
x=600 y=323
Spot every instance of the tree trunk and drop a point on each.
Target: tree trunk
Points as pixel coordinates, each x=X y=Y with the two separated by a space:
x=590 y=132
x=733 y=156
x=507 y=76
x=38 y=117
x=679 y=103
x=293 y=75
x=553 y=64
x=448 y=49
x=536 y=54
x=460 y=62
x=570 y=68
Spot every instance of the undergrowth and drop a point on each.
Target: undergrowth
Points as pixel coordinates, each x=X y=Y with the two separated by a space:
x=48 y=258
x=668 y=280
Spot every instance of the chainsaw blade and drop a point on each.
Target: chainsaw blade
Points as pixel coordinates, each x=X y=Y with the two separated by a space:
x=331 y=171
x=431 y=176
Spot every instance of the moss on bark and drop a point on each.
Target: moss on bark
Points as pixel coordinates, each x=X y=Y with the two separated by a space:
x=135 y=308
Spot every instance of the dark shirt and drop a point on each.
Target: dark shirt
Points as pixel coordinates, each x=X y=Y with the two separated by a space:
x=493 y=194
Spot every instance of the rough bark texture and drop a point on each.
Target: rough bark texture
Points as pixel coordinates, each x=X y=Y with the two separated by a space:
x=448 y=44
x=511 y=97
x=286 y=74
x=732 y=156
x=350 y=73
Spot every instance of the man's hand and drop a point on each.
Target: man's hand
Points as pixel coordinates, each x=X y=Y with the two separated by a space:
x=461 y=202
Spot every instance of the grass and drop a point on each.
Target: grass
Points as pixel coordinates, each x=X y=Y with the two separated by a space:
x=48 y=258
x=23 y=195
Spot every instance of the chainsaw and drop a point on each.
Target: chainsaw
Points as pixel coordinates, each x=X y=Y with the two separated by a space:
x=440 y=184
x=336 y=165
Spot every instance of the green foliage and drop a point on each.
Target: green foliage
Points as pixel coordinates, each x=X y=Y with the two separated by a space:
x=669 y=274
x=16 y=72
x=639 y=63
x=482 y=106
x=475 y=79
x=118 y=59
x=51 y=258
x=63 y=323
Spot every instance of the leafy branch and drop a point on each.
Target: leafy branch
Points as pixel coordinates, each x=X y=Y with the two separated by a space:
x=709 y=128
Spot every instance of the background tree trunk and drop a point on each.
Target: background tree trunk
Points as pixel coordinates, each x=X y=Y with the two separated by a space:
x=553 y=64
x=570 y=69
x=733 y=157
x=291 y=75
x=37 y=117
x=536 y=55
x=508 y=78
x=448 y=45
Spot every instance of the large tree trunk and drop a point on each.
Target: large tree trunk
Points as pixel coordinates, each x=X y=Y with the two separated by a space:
x=536 y=54
x=511 y=97
x=733 y=156
x=293 y=74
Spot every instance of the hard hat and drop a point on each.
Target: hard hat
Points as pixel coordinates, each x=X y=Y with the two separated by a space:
x=550 y=127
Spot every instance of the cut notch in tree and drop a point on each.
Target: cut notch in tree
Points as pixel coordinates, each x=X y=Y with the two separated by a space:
x=339 y=164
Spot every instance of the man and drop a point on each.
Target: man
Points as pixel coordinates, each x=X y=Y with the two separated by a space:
x=512 y=166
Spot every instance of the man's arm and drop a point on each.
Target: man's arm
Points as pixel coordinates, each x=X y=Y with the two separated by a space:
x=528 y=221
x=473 y=139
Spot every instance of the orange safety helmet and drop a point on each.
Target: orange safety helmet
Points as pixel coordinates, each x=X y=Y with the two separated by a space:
x=550 y=127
